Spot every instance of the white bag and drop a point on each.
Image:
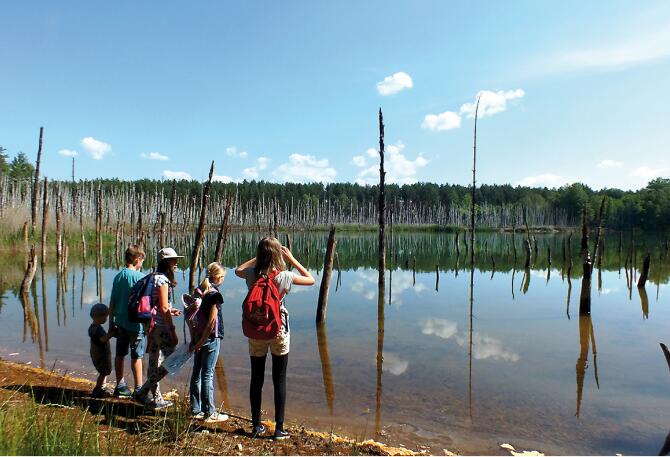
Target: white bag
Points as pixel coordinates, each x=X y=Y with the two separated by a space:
x=175 y=361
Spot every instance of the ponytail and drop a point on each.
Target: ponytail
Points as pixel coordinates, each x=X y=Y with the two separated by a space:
x=214 y=271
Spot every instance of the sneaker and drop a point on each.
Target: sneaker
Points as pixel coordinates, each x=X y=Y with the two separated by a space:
x=258 y=430
x=216 y=417
x=280 y=435
x=159 y=405
x=122 y=390
x=198 y=416
x=99 y=392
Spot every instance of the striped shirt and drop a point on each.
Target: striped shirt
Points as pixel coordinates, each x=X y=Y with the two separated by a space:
x=160 y=280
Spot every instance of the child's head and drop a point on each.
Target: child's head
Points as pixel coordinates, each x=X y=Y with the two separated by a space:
x=269 y=255
x=134 y=255
x=215 y=275
x=99 y=313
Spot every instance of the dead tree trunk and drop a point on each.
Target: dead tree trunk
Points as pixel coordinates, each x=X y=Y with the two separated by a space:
x=585 y=294
x=199 y=234
x=645 y=272
x=223 y=230
x=36 y=183
x=30 y=272
x=325 y=279
x=381 y=203
x=474 y=171
x=45 y=217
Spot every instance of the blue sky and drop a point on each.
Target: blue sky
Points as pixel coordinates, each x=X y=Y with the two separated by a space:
x=289 y=91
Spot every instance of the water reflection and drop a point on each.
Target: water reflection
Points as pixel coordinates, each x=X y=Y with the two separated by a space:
x=644 y=302
x=326 y=371
x=380 y=353
x=586 y=338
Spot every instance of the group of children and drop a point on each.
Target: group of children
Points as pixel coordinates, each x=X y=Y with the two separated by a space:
x=268 y=269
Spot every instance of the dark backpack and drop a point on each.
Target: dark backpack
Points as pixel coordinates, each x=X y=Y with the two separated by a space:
x=140 y=306
x=261 y=318
x=198 y=307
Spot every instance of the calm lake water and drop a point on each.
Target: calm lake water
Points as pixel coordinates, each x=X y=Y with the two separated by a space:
x=519 y=365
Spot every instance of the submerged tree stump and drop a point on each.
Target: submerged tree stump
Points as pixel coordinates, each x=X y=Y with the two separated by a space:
x=325 y=279
x=645 y=271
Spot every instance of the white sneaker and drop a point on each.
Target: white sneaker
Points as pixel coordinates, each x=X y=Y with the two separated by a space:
x=216 y=417
x=200 y=416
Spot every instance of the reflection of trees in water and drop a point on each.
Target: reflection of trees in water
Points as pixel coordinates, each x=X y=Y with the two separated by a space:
x=326 y=371
x=586 y=338
x=380 y=355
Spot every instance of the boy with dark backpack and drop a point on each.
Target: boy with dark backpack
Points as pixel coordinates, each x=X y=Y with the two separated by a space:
x=265 y=323
x=129 y=335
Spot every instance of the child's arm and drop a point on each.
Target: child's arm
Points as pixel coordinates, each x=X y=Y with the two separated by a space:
x=107 y=336
x=305 y=278
x=239 y=271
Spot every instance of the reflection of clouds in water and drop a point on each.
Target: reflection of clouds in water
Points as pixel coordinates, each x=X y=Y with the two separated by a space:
x=606 y=291
x=366 y=284
x=394 y=364
x=439 y=327
x=91 y=298
x=483 y=347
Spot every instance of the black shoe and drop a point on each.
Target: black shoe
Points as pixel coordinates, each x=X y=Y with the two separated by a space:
x=280 y=435
x=99 y=392
x=258 y=430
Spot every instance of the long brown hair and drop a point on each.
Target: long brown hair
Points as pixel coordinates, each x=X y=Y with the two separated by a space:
x=164 y=268
x=269 y=256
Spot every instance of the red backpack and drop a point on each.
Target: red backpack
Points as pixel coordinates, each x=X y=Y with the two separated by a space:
x=261 y=318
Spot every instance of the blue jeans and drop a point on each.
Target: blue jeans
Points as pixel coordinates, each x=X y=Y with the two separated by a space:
x=202 y=378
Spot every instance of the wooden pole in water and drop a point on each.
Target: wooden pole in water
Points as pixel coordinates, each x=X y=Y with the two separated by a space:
x=36 y=183
x=381 y=203
x=162 y=230
x=528 y=248
x=325 y=279
x=173 y=194
x=474 y=171
x=81 y=228
x=585 y=294
x=223 y=230
x=645 y=271
x=30 y=272
x=199 y=234
x=45 y=217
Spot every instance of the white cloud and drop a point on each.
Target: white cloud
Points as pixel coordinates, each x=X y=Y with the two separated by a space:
x=393 y=364
x=68 y=153
x=359 y=161
x=96 y=148
x=305 y=168
x=262 y=162
x=251 y=173
x=439 y=327
x=372 y=152
x=399 y=169
x=635 y=49
x=649 y=173
x=483 y=347
x=394 y=83
x=543 y=180
x=178 y=175
x=233 y=152
x=153 y=156
x=443 y=121
x=491 y=103
x=610 y=164
x=223 y=178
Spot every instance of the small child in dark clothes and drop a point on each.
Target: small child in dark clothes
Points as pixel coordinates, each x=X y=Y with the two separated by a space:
x=101 y=354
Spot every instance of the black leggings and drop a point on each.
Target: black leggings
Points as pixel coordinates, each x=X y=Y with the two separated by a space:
x=279 y=364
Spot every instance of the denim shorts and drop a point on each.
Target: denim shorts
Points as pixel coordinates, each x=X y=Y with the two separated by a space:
x=130 y=340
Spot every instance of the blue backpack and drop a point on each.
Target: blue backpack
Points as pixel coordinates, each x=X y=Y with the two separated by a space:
x=140 y=306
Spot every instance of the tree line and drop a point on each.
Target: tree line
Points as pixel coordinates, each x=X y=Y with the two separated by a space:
x=497 y=205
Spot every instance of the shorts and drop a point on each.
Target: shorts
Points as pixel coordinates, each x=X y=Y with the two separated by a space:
x=125 y=340
x=278 y=346
x=102 y=360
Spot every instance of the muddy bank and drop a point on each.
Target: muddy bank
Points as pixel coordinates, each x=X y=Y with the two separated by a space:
x=133 y=431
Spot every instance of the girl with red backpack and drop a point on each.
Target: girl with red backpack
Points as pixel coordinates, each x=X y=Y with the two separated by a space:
x=266 y=325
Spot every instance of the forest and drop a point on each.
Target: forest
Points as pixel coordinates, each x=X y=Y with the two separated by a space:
x=498 y=205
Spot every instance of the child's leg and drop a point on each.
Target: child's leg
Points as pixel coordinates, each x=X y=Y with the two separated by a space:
x=256 y=387
x=194 y=390
x=279 y=364
x=211 y=353
x=100 y=381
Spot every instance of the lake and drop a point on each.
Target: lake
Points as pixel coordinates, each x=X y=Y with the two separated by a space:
x=429 y=366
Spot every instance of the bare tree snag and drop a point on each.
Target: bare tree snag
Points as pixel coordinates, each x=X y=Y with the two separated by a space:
x=474 y=171
x=223 y=230
x=45 y=218
x=585 y=294
x=325 y=279
x=36 y=183
x=381 y=203
x=199 y=234
x=30 y=272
